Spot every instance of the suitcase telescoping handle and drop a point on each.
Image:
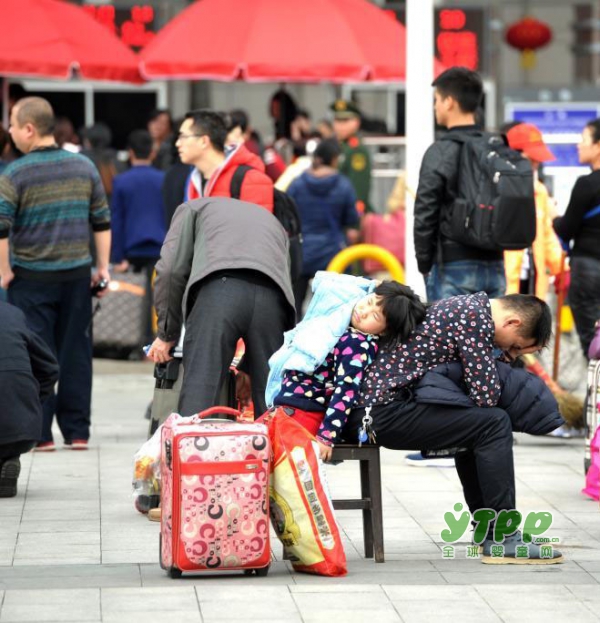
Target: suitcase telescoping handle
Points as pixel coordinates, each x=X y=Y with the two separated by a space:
x=223 y=410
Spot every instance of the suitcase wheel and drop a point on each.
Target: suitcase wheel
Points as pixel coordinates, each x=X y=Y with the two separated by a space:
x=175 y=573
x=261 y=573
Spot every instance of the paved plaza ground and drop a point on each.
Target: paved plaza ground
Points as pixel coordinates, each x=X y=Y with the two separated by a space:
x=72 y=547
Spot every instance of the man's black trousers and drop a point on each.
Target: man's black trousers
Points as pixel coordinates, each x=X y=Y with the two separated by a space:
x=61 y=314
x=239 y=304
x=485 y=467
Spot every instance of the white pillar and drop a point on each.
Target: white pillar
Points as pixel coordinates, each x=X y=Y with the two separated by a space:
x=419 y=115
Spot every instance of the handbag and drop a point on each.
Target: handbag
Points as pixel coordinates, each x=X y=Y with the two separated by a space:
x=594 y=349
x=386 y=231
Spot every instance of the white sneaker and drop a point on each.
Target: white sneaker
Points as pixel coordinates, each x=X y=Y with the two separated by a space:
x=418 y=460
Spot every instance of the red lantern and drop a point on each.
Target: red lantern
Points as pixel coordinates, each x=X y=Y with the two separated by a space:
x=528 y=35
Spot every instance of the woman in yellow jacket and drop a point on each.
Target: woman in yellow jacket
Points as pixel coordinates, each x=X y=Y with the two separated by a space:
x=546 y=249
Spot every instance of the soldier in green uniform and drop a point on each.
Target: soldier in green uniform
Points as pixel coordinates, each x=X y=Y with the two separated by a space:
x=356 y=162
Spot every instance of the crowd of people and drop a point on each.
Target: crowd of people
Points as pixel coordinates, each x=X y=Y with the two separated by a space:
x=195 y=202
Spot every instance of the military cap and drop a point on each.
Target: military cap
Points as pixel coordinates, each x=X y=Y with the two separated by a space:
x=344 y=109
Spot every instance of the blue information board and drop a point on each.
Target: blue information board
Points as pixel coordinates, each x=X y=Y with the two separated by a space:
x=565 y=119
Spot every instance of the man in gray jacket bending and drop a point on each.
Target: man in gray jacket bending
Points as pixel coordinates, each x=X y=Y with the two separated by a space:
x=224 y=271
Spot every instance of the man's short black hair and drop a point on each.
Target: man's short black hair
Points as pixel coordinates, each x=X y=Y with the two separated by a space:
x=157 y=112
x=238 y=118
x=402 y=308
x=463 y=85
x=140 y=143
x=211 y=124
x=99 y=135
x=594 y=127
x=326 y=152
x=534 y=314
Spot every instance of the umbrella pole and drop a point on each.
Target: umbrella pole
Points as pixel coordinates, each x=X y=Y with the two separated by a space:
x=5 y=103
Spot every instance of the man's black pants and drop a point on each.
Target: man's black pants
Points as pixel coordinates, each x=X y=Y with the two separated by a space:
x=61 y=314
x=485 y=467
x=584 y=297
x=240 y=304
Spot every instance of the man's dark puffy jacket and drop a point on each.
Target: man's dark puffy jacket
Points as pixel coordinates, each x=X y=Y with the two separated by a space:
x=525 y=397
x=438 y=184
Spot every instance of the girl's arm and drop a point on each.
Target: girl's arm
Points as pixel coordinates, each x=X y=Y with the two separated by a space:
x=352 y=354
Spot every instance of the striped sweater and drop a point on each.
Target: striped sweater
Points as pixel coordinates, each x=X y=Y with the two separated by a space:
x=48 y=199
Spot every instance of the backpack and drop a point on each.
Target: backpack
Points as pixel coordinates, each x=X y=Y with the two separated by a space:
x=494 y=209
x=286 y=212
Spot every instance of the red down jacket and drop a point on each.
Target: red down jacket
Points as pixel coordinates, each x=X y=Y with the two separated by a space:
x=257 y=186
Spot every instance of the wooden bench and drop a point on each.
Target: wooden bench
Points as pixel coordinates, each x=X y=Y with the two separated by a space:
x=370 y=491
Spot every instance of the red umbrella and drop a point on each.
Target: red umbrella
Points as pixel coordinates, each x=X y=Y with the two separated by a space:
x=51 y=38
x=279 y=40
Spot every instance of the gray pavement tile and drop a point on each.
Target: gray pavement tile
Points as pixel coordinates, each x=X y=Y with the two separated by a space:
x=296 y=618
x=142 y=556
x=175 y=616
x=58 y=539
x=51 y=605
x=79 y=576
x=578 y=613
x=309 y=603
x=66 y=514
x=586 y=593
x=57 y=560
x=49 y=549
x=349 y=616
x=471 y=607
x=30 y=527
x=526 y=596
x=337 y=588
x=268 y=603
x=369 y=578
x=148 y=599
x=425 y=593
x=506 y=577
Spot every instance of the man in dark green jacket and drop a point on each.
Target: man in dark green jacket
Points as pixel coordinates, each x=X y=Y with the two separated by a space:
x=356 y=162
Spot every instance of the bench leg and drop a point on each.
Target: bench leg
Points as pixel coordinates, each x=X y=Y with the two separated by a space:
x=365 y=492
x=376 y=508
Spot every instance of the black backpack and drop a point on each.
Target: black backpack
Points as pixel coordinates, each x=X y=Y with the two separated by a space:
x=286 y=212
x=494 y=208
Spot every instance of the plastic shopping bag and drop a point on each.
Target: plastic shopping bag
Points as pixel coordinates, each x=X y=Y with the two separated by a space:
x=592 y=479
x=300 y=504
x=146 y=474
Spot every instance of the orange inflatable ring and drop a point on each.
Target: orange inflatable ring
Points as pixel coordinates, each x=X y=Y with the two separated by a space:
x=372 y=251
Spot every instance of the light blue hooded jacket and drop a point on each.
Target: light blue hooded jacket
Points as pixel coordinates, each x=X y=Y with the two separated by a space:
x=307 y=345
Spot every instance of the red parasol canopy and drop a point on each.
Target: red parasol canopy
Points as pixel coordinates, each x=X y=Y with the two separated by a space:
x=51 y=38
x=279 y=40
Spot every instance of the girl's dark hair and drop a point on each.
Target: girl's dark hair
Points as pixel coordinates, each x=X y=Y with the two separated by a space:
x=594 y=127
x=326 y=152
x=403 y=311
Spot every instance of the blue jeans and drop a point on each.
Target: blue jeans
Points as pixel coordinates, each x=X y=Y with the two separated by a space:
x=584 y=297
x=61 y=314
x=466 y=277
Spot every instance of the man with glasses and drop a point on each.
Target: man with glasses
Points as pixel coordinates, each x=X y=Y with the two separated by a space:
x=201 y=143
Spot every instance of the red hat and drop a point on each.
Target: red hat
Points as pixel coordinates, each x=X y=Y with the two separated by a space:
x=527 y=138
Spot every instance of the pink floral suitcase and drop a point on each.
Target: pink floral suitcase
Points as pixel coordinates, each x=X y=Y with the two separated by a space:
x=214 y=495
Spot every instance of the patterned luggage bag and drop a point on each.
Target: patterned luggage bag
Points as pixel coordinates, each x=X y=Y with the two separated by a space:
x=592 y=409
x=214 y=498
x=118 y=325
